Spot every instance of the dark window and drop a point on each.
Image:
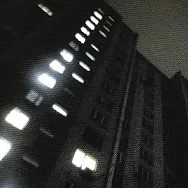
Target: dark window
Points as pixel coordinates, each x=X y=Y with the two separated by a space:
x=145 y=175
x=147 y=124
x=147 y=140
x=99 y=117
x=108 y=88
x=146 y=156
x=93 y=138
x=105 y=102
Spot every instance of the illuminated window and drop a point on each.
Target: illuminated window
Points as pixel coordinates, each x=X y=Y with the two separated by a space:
x=90 y=56
x=67 y=56
x=98 y=15
x=30 y=160
x=95 y=48
x=74 y=46
x=103 y=34
x=84 y=161
x=47 y=80
x=108 y=23
x=5 y=147
x=83 y=65
x=94 y=20
x=106 y=28
x=80 y=38
x=34 y=97
x=17 y=118
x=100 y=11
x=57 y=66
x=78 y=78
x=111 y=18
x=85 y=31
x=90 y=25
x=46 y=132
x=45 y=9
x=60 y=110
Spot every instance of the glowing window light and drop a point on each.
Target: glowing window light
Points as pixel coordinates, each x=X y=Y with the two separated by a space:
x=106 y=28
x=94 y=20
x=98 y=15
x=74 y=46
x=108 y=23
x=67 y=56
x=34 y=97
x=78 y=78
x=57 y=66
x=90 y=25
x=46 y=132
x=111 y=18
x=45 y=9
x=60 y=110
x=103 y=34
x=95 y=48
x=47 y=80
x=83 y=65
x=80 y=38
x=90 y=56
x=30 y=160
x=85 y=31
x=100 y=11
x=84 y=161
x=5 y=147
x=17 y=118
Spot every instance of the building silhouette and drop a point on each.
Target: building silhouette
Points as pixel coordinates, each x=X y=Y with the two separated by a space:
x=80 y=106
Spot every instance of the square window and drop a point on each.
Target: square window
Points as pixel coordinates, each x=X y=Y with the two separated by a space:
x=5 y=147
x=34 y=97
x=47 y=80
x=57 y=66
x=67 y=56
x=84 y=161
x=17 y=118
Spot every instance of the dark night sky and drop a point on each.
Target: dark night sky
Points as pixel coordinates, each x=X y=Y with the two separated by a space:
x=163 y=31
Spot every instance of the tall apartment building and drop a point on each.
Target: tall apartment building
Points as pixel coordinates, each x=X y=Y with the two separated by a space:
x=80 y=106
x=66 y=76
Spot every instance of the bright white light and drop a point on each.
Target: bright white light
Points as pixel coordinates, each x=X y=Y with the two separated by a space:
x=89 y=162
x=83 y=65
x=80 y=38
x=78 y=78
x=95 y=48
x=106 y=28
x=98 y=15
x=108 y=23
x=84 y=161
x=85 y=31
x=5 y=147
x=78 y=158
x=47 y=80
x=45 y=9
x=60 y=110
x=100 y=11
x=90 y=56
x=17 y=118
x=90 y=25
x=103 y=34
x=94 y=20
x=67 y=56
x=111 y=18
x=57 y=66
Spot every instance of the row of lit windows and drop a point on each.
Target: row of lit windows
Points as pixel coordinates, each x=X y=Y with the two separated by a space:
x=17 y=118
x=81 y=159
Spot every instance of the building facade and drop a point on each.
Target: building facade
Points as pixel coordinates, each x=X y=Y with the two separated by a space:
x=80 y=106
